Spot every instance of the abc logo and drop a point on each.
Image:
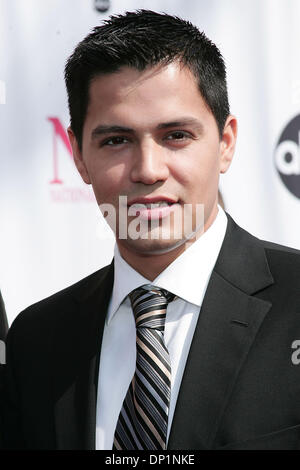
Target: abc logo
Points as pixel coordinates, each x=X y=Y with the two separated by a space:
x=287 y=156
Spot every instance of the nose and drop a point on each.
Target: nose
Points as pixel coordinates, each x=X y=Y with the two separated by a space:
x=149 y=165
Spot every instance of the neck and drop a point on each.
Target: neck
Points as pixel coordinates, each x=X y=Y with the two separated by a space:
x=151 y=265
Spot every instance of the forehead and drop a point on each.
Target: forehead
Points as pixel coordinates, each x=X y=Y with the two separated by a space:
x=157 y=93
x=128 y=84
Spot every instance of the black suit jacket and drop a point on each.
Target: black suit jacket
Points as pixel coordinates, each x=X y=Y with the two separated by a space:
x=240 y=389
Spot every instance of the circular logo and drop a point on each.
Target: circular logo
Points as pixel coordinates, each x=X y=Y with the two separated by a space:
x=287 y=156
x=102 y=5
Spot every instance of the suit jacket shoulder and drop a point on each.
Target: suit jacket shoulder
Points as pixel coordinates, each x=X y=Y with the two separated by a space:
x=246 y=260
x=53 y=308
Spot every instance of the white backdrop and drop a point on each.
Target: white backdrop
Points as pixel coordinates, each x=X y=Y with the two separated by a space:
x=51 y=232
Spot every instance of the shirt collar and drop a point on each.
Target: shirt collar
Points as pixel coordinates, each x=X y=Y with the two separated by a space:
x=186 y=277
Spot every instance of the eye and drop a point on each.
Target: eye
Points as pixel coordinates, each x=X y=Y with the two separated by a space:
x=114 y=141
x=178 y=136
x=178 y=139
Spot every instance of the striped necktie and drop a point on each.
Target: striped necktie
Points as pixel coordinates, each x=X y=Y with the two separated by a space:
x=143 y=420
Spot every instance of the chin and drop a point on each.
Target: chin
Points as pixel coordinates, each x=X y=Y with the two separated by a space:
x=153 y=246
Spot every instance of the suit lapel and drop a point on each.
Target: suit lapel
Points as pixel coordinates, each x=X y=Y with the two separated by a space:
x=76 y=362
x=229 y=320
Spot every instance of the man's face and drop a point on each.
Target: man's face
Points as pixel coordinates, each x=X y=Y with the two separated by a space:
x=150 y=136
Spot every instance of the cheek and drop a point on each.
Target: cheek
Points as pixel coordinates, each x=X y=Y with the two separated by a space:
x=197 y=173
x=108 y=182
x=201 y=167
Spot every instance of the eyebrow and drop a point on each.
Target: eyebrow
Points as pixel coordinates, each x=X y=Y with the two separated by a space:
x=106 y=129
x=102 y=129
x=181 y=122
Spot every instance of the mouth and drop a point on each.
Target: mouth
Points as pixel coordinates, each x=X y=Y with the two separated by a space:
x=152 y=200
x=151 y=209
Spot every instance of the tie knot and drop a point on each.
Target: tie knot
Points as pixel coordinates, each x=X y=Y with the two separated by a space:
x=149 y=304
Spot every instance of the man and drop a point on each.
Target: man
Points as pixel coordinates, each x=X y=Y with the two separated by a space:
x=186 y=340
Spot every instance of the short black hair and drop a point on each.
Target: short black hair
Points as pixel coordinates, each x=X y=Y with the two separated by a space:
x=140 y=39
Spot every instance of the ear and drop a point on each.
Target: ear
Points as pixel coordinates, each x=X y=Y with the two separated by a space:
x=228 y=143
x=77 y=155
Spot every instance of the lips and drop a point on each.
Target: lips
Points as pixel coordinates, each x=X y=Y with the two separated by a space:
x=138 y=205
x=152 y=200
x=151 y=208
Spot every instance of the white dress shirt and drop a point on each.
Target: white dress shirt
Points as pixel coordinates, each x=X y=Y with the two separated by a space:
x=187 y=277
